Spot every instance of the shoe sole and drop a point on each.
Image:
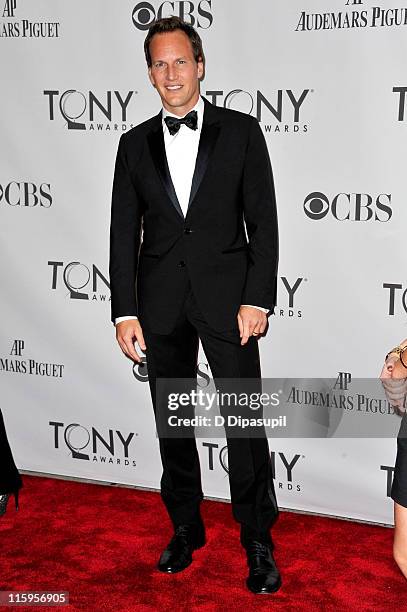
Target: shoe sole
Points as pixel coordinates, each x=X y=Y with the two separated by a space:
x=276 y=588
x=173 y=571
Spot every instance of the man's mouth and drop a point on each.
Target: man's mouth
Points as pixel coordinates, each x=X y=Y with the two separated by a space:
x=173 y=87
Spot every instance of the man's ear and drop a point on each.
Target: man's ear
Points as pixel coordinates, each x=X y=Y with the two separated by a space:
x=200 y=68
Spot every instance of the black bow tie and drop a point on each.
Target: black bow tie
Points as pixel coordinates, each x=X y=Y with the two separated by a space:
x=173 y=123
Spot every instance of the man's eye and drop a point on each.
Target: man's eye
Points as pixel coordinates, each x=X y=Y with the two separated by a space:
x=181 y=62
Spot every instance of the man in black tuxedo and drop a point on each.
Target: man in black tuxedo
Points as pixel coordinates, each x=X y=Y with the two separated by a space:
x=196 y=181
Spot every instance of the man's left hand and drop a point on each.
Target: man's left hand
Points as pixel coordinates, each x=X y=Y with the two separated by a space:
x=251 y=321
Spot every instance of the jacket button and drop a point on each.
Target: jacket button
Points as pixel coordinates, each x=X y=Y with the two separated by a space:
x=181 y=264
x=188 y=230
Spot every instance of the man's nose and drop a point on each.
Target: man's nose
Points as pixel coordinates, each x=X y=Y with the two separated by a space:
x=171 y=73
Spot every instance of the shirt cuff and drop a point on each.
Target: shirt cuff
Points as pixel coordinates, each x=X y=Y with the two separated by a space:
x=265 y=310
x=120 y=319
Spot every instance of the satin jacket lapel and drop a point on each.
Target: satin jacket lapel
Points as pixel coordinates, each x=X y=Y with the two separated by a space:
x=209 y=135
x=157 y=149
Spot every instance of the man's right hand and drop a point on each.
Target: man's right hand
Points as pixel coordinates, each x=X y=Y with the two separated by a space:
x=127 y=332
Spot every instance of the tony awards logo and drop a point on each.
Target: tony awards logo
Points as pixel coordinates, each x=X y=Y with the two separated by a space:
x=278 y=111
x=401 y=106
x=287 y=302
x=397 y=298
x=282 y=466
x=81 y=281
x=88 y=111
x=109 y=446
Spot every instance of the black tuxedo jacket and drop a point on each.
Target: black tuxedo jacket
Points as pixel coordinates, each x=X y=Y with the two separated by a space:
x=155 y=251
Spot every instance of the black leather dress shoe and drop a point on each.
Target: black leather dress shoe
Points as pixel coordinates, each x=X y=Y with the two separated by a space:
x=264 y=576
x=4 y=499
x=178 y=554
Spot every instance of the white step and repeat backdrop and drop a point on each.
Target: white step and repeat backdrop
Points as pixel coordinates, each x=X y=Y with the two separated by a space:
x=327 y=81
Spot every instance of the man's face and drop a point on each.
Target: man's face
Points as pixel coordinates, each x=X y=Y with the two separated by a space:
x=174 y=72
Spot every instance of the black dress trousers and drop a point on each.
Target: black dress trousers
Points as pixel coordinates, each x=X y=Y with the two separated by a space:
x=10 y=479
x=175 y=355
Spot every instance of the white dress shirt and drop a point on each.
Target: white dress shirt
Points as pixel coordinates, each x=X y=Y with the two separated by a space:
x=181 y=150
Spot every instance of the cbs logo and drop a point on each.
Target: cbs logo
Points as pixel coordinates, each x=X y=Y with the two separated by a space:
x=144 y=14
x=349 y=206
x=26 y=194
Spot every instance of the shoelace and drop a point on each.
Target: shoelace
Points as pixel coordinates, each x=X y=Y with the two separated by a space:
x=258 y=548
x=182 y=530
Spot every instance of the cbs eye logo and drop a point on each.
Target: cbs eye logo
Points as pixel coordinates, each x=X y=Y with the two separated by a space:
x=316 y=205
x=349 y=206
x=143 y=15
x=140 y=370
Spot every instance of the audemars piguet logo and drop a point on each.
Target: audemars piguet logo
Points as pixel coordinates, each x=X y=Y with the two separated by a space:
x=9 y=8
x=10 y=27
x=355 y=14
x=17 y=362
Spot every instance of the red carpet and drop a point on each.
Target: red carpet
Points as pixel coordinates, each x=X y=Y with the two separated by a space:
x=101 y=544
